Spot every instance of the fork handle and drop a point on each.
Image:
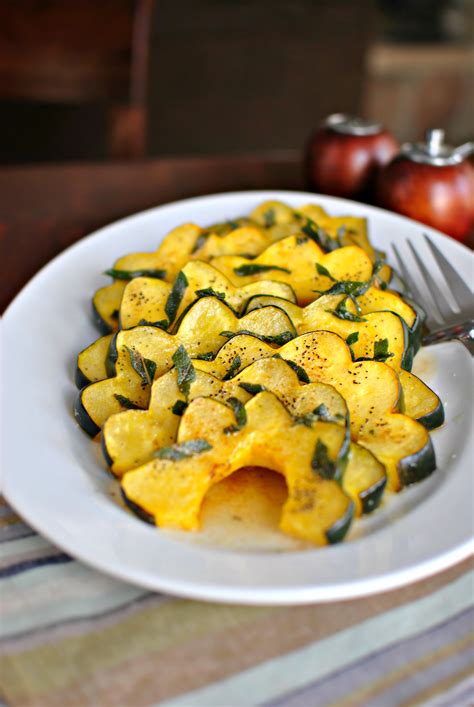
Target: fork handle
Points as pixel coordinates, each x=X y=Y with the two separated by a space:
x=464 y=332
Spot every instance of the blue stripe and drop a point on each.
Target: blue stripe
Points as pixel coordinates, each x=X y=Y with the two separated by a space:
x=320 y=689
x=17 y=531
x=33 y=564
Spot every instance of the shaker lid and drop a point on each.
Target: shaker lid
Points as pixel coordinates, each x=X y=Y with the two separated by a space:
x=351 y=124
x=434 y=151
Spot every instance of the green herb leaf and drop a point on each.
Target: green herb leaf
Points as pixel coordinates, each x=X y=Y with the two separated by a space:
x=269 y=219
x=252 y=388
x=151 y=368
x=209 y=292
x=179 y=407
x=130 y=274
x=301 y=240
x=300 y=372
x=319 y=236
x=176 y=295
x=184 y=450
x=162 y=324
x=278 y=339
x=143 y=366
x=254 y=268
x=352 y=338
x=321 y=411
x=126 y=402
x=340 y=233
x=200 y=240
x=240 y=415
x=324 y=271
x=321 y=463
x=185 y=368
x=348 y=287
x=381 y=352
x=208 y=356
x=342 y=312
x=233 y=368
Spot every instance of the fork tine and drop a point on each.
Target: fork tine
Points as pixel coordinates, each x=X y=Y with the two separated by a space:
x=414 y=290
x=438 y=298
x=412 y=286
x=460 y=291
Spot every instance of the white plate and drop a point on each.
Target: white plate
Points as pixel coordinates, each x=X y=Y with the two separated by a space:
x=54 y=480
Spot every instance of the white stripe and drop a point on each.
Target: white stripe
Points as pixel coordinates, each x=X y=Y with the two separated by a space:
x=24 y=545
x=276 y=677
x=59 y=593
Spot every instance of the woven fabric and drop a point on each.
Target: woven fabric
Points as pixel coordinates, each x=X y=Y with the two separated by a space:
x=72 y=636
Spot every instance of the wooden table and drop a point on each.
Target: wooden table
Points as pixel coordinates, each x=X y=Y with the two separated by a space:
x=44 y=209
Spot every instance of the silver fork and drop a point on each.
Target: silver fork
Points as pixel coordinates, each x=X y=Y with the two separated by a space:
x=444 y=321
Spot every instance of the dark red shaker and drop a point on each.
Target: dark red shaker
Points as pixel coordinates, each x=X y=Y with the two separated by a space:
x=345 y=154
x=433 y=183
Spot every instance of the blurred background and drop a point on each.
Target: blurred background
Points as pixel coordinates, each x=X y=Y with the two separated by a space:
x=125 y=79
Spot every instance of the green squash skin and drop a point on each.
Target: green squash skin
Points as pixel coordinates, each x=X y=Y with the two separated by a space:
x=416 y=331
x=371 y=497
x=418 y=466
x=343 y=458
x=99 y=322
x=138 y=510
x=80 y=379
x=103 y=446
x=337 y=532
x=83 y=418
x=112 y=357
x=409 y=353
x=176 y=324
x=434 y=419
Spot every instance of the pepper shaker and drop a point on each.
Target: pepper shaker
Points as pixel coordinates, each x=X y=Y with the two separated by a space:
x=433 y=183
x=345 y=154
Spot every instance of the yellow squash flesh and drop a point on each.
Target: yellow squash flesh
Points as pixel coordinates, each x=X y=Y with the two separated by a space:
x=172 y=491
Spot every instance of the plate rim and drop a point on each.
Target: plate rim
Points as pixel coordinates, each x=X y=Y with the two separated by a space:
x=347 y=591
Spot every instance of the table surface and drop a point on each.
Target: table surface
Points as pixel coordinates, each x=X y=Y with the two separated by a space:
x=73 y=636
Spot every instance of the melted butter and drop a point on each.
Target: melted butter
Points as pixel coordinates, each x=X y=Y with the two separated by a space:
x=425 y=365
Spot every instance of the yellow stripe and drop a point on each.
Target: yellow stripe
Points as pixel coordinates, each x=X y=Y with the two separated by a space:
x=10 y=520
x=156 y=629
x=422 y=697
x=390 y=679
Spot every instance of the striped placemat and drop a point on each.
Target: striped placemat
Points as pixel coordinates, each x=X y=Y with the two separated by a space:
x=72 y=636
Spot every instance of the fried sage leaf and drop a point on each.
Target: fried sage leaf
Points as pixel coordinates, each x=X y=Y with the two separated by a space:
x=185 y=368
x=184 y=450
x=176 y=295
x=255 y=268
x=233 y=368
x=240 y=415
x=143 y=366
x=321 y=463
x=131 y=274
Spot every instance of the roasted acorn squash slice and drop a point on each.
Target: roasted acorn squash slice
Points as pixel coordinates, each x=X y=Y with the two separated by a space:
x=293 y=260
x=91 y=362
x=377 y=334
x=106 y=306
x=373 y=300
x=157 y=302
x=202 y=330
x=420 y=402
x=371 y=389
x=130 y=438
x=171 y=488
